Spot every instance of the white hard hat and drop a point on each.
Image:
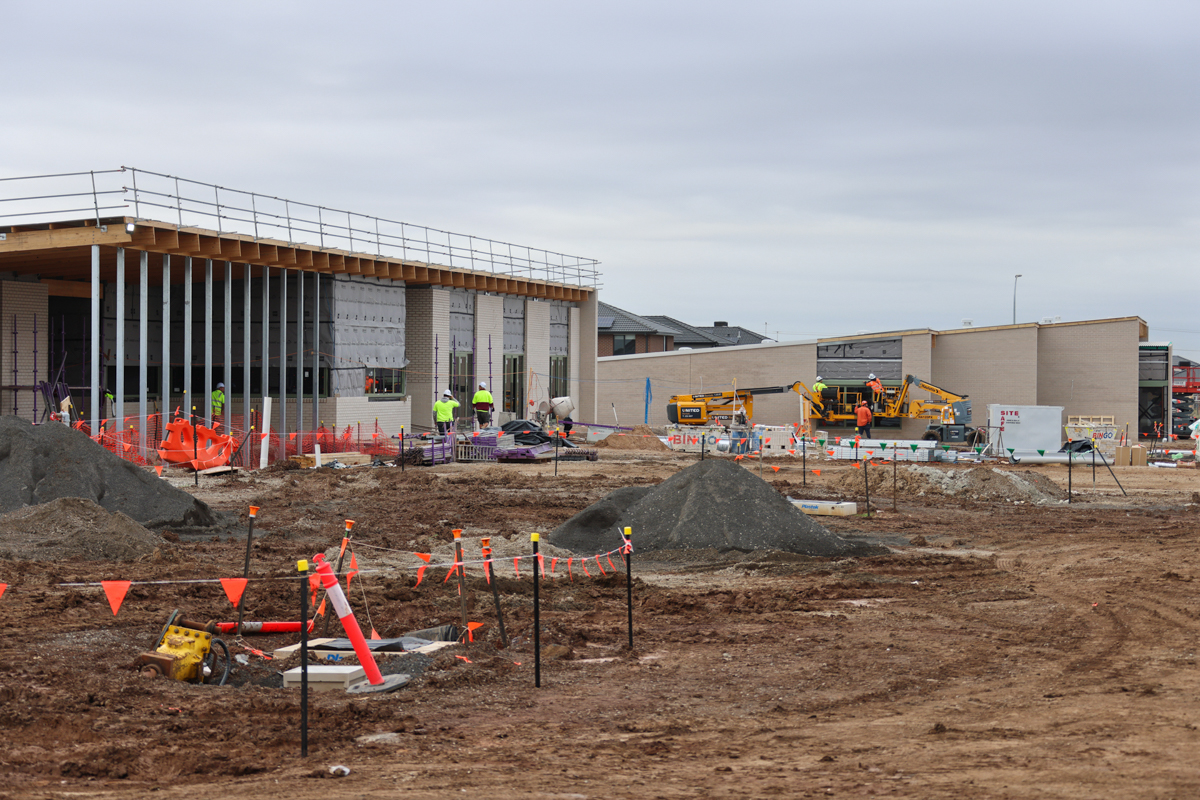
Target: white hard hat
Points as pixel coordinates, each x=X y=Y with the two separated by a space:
x=871 y=376
x=447 y=393
x=818 y=377
x=482 y=385
x=220 y=386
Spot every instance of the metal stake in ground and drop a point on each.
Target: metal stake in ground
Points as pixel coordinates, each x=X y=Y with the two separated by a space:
x=804 y=460
x=461 y=568
x=556 y=433
x=867 y=484
x=246 y=569
x=195 y=449
x=1070 y=462
x=895 y=453
x=341 y=557
x=628 y=550
x=302 y=567
x=537 y=617
x=486 y=542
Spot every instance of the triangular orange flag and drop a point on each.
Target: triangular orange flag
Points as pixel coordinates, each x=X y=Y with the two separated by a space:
x=375 y=635
x=158 y=470
x=116 y=593
x=321 y=609
x=353 y=568
x=420 y=576
x=233 y=589
x=775 y=468
x=3 y=586
x=127 y=446
x=423 y=556
x=471 y=628
x=291 y=436
x=858 y=465
x=816 y=472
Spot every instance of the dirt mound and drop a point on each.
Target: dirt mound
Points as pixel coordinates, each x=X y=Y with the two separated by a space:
x=45 y=462
x=974 y=483
x=640 y=438
x=72 y=527
x=714 y=503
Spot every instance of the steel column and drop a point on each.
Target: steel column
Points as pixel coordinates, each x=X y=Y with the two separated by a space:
x=206 y=403
x=246 y=354
x=165 y=399
x=283 y=365
x=143 y=346
x=189 y=402
x=265 y=337
x=228 y=348
x=316 y=357
x=118 y=409
x=299 y=362
x=94 y=378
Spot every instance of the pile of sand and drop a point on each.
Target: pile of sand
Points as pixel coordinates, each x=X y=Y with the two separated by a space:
x=640 y=438
x=973 y=483
x=71 y=527
x=713 y=503
x=45 y=462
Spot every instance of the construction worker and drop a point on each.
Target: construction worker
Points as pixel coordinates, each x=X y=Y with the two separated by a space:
x=218 y=405
x=443 y=412
x=863 y=417
x=876 y=387
x=817 y=388
x=483 y=405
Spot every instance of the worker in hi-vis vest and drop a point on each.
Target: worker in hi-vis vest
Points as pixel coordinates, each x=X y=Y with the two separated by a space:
x=483 y=405
x=443 y=412
x=218 y=405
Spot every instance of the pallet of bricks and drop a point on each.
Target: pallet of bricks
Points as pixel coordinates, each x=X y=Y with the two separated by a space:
x=896 y=450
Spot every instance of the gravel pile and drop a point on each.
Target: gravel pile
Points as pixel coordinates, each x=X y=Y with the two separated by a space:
x=46 y=462
x=713 y=503
x=974 y=483
x=74 y=528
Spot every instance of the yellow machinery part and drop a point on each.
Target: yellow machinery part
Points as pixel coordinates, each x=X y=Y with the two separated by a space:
x=187 y=649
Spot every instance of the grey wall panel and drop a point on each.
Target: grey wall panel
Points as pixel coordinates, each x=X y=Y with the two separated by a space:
x=368 y=319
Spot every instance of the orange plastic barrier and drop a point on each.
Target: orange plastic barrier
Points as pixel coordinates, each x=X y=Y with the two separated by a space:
x=208 y=450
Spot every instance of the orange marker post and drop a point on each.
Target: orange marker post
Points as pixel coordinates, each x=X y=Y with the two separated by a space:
x=375 y=681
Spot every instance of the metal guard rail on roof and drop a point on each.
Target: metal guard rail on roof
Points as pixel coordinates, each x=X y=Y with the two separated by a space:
x=269 y=217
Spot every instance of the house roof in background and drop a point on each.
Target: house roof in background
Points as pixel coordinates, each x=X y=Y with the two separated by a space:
x=688 y=334
x=621 y=321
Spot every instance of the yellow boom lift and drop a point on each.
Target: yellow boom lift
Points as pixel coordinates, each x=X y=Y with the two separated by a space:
x=734 y=407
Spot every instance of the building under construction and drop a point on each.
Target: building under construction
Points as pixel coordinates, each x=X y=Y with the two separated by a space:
x=136 y=294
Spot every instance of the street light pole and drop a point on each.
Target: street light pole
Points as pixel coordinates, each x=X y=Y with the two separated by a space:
x=1015 y=277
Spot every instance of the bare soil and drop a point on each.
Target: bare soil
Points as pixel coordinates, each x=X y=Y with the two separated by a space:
x=1002 y=648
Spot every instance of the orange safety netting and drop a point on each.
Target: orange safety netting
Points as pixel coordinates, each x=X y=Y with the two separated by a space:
x=198 y=447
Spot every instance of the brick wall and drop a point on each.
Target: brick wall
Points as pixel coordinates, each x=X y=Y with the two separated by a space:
x=489 y=343
x=585 y=357
x=1091 y=369
x=989 y=366
x=22 y=301
x=537 y=350
x=573 y=366
x=427 y=324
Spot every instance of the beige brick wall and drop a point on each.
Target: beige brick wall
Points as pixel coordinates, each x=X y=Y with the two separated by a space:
x=1091 y=369
x=489 y=322
x=537 y=350
x=585 y=356
x=622 y=379
x=427 y=322
x=573 y=353
x=26 y=302
x=989 y=366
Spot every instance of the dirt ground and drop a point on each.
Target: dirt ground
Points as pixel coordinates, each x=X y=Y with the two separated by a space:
x=1001 y=649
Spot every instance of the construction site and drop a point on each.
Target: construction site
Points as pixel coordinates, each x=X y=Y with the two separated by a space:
x=717 y=592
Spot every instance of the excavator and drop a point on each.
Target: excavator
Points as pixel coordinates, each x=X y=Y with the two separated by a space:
x=951 y=412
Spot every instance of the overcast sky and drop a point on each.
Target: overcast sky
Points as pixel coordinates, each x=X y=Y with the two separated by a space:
x=804 y=168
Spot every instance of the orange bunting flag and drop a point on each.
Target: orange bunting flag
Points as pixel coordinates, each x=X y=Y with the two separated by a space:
x=830 y=452
x=453 y=571
x=517 y=567
x=793 y=452
x=158 y=470
x=423 y=556
x=553 y=564
x=775 y=468
x=375 y=635
x=816 y=472
x=127 y=446
x=420 y=575
x=471 y=628
x=314 y=582
x=353 y=568
x=569 y=575
x=262 y=436
x=837 y=440
x=767 y=440
x=600 y=566
x=858 y=465
x=542 y=565
x=738 y=458
x=610 y=563
x=115 y=590
x=583 y=561
x=233 y=589
x=3 y=586
x=292 y=436
x=320 y=611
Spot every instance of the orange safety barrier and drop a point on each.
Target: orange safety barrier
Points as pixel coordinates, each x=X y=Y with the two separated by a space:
x=208 y=449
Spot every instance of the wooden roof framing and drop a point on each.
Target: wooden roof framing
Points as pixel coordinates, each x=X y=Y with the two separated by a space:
x=61 y=251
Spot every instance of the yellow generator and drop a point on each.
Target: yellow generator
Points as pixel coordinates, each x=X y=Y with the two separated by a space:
x=186 y=651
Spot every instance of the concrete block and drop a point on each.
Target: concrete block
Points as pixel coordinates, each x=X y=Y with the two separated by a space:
x=325 y=677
